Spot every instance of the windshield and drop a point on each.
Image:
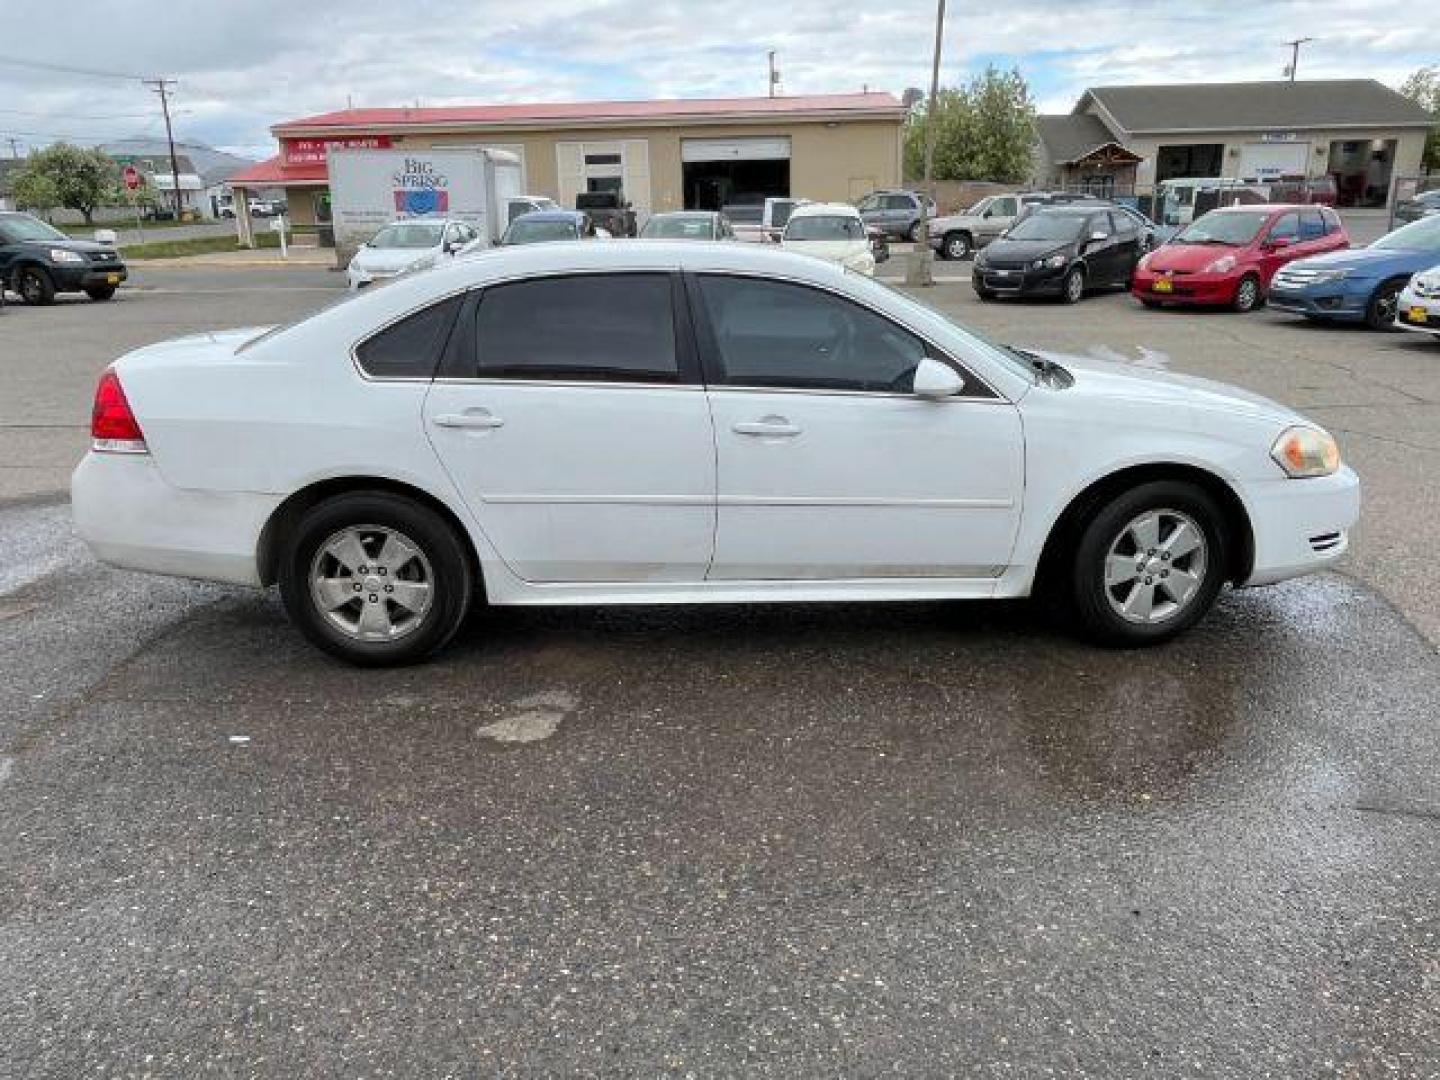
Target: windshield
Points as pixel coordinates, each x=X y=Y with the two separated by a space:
x=538 y=232
x=1046 y=226
x=678 y=228
x=1422 y=235
x=24 y=227
x=1229 y=228
x=409 y=234
x=817 y=227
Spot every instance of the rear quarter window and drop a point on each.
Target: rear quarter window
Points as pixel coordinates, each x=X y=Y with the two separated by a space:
x=410 y=348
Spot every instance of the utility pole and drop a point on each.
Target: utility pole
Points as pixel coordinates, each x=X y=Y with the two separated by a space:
x=1295 y=55
x=921 y=268
x=774 y=75
x=14 y=147
x=162 y=87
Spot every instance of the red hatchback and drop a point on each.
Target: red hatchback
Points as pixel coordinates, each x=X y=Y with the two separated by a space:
x=1228 y=256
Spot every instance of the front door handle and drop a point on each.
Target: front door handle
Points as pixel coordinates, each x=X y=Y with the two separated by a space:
x=772 y=426
x=470 y=418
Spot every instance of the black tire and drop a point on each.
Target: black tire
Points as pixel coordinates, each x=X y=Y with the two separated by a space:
x=100 y=292
x=984 y=294
x=913 y=233
x=957 y=246
x=34 y=285
x=1380 y=312
x=1073 y=286
x=1247 y=294
x=1091 y=592
x=442 y=548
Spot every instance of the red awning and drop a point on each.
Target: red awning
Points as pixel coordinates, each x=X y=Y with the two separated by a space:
x=275 y=173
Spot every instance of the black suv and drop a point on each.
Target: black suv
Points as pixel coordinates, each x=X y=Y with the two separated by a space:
x=37 y=261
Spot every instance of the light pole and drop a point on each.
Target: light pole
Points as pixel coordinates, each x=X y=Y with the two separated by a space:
x=1295 y=55
x=920 y=271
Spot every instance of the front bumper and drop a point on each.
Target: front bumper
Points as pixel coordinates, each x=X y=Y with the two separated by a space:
x=1185 y=288
x=1418 y=313
x=1018 y=282
x=89 y=276
x=130 y=516
x=1300 y=526
x=1330 y=300
x=359 y=277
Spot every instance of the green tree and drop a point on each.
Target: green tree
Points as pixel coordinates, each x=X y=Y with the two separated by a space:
x=1423 y=87
x=68 y=176
x=983 y=131
x=35 y=191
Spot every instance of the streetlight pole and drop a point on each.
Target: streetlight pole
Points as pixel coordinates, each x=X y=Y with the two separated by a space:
x=921 y=269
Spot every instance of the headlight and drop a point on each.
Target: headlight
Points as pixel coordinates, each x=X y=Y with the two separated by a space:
x=422 y=263
x=1323 y=277
x=1050 y=262
x=1222 y=265
x=60 y=255
x=1306 y=451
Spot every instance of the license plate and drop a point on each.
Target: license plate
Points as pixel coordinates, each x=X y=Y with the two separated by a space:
x=1163 y=285
x=112 y=279
x=1419 y=314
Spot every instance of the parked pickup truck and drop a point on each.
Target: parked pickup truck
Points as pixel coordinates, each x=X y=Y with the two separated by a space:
x=608 y=210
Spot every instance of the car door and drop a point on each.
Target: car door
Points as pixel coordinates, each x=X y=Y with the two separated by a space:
x=571 y=417
x=1125 y=233
x=1280 y=244
x=1102 y=260
x=828 y=466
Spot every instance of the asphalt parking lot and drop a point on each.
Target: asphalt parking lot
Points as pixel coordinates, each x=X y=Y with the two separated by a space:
x=911 y=839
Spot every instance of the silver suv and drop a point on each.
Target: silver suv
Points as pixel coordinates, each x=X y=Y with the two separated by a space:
x=896 y=213
x=959 y=236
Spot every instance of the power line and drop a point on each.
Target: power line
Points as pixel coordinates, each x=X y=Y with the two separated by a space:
x=75 y=116
x=68 y=69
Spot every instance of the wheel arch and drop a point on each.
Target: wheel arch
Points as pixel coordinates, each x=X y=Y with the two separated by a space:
x=1066 y=528
x=272 y=535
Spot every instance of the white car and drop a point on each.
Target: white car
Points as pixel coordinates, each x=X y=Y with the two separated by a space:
x=681 y=422
x=834 y=232
x=408 y=245
x=1418 y=306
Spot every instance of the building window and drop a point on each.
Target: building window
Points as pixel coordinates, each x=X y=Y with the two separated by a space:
x=602 y=159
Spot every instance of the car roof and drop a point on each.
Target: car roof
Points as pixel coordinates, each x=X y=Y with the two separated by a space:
x=1263 y=208
x=824 y=209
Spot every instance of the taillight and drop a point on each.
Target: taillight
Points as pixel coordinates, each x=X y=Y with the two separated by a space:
x=113 y=427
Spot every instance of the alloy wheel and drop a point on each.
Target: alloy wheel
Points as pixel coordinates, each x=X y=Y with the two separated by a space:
x=372 y=583
x=1155 y=566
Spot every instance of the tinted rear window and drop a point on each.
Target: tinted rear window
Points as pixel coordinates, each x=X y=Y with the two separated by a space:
x=410 y=348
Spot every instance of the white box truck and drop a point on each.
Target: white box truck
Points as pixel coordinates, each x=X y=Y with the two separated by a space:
x=371 y=188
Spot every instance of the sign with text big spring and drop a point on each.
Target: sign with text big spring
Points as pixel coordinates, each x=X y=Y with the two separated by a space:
x=371 y=188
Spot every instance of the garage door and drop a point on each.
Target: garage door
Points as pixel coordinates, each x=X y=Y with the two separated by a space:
x=1271 y=161
x=758 y=149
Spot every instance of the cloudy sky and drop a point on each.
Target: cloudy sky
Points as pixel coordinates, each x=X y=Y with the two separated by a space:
x=246 y=64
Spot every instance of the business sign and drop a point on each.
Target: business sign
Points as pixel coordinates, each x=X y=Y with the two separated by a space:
x=420 y=186
x=313 y=151
x=1279 y=136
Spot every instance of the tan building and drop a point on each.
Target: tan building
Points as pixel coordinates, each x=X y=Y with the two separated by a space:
x=664 y=155
x=1123 y=139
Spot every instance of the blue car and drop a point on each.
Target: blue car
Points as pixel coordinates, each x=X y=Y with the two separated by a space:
x=1360 y=284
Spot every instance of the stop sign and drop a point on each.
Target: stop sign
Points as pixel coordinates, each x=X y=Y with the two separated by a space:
x=132 y=177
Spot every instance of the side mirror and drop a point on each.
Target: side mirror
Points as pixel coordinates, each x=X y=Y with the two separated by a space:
x=1275 y=243
x=934 y=380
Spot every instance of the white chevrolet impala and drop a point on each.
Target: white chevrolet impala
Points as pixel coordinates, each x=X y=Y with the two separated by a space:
x=686 y=423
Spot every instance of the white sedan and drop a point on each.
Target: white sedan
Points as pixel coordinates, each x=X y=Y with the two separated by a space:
x=678 y=422
x=1418 y=306
x=834 y=232
x=403 y=247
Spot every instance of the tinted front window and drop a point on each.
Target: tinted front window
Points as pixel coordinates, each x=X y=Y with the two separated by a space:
x=612 y=327
x=1286 y=227
x=539 y=232
x=1422 y=235
x=678 y=228
x=825 y=228
x=771 y=333
x=410 y=348
x=1047 y=226
x=408 y=234
x=1312 y=225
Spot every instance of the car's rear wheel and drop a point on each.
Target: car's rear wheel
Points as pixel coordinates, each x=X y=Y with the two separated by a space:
x=1380 y=312
x=100 y=292
x=913 y=233
x=34 y=285
x=1073 y=287
x=957 y=246
x=1247 y=294
x=375 y=579
x=1149 y=564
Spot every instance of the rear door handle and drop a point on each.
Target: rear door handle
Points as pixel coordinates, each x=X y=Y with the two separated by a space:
x=471 y=418
x=772 y=426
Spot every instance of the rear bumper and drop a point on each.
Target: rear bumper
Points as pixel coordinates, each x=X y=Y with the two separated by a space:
x=1301 y=526
x=130 y=516
x=1186 y=288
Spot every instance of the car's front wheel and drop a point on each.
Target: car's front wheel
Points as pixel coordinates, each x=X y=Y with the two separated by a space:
x=375 y=579
x=957 y=246
x=913 y=233
x=1073 y=287
x=1247 y=294
x=1380 y=312
x=1149 y=564
x=100 y=292
x=34 y=285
